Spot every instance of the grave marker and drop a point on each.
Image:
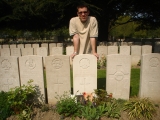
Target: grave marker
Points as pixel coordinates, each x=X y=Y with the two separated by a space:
x=31 y=68
x=118 y=76
x=84 y=73
x=9 y=73
x=5 y=52
x=58 y=76
x=150 y=76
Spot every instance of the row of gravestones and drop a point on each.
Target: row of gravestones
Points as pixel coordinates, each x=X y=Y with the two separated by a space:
x=106 y=50
x=135 y=51
x=156 y=45
x=16 y=71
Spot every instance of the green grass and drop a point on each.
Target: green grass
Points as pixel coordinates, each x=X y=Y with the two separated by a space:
x=135 y=80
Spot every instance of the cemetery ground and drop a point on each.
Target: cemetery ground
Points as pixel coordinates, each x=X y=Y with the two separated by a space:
x=49 y=112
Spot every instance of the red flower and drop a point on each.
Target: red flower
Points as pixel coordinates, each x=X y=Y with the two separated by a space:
x=84 y=93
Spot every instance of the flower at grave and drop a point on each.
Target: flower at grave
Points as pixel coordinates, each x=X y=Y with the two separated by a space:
x=84 y=93
x=110 y=95
x=88 y=96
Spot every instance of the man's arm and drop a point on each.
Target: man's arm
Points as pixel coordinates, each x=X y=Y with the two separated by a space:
x=75 y=44
x=94 y=47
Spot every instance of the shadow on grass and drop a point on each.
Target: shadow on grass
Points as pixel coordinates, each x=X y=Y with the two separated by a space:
x=101 y=83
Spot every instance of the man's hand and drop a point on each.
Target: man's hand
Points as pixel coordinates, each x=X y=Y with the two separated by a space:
x=73 y=55
x=95 y=54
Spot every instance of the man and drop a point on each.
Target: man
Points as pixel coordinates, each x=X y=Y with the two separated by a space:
x=84 y=30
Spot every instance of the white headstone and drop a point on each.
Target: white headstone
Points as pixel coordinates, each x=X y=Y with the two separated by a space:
x=58 y=76
x=35 y=46
x=84 y=73
x=69 y=51
x=27 y=45
x=31 y=68
x=59 y=44
x=135 y=54
x=115 y=43
x=5 y=52
x=45 y=45
x=112 y=50
x=5 y=46
x=15 y=52
x=109 y=44
x=27 y=51
x=102 y=51
x=124 y=44
x=157 y=47
x=13 y=46
x=20 y=46
x=9 y=73
x=146 y=49
x=124 y=50
x=56 y=51
x=42 y=51
x=118 y=76
x=50 y=47
x=150 y=76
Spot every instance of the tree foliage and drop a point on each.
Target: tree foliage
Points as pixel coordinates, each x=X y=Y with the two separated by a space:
x=43 y=15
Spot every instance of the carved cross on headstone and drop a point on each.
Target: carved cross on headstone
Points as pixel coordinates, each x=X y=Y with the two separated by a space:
x=84 y=83
x=57 y=83
x=119 y=75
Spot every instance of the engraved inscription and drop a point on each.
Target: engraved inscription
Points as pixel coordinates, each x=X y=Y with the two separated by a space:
x=6 y=65
x=84 y=63
x=118 y=76
x=6 y=84
x=84 y=83
x=58 y=84
x=30 y=64
x=154 y=62
x=57 y=63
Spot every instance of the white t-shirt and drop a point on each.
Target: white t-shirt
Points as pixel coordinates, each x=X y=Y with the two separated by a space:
x=85 y=31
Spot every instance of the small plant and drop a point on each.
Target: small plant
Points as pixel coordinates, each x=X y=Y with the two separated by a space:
x=67 y=105
x=112 y=109
x=90 y=113
x=26 y=114
x=140 y=108
x=102 y=96
x=21 y=98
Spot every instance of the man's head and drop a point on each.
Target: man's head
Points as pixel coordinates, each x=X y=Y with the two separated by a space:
x=82 y=12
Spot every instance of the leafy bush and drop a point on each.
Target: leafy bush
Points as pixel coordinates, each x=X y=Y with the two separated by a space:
x=21 y=98
x=108 y=109
x=5 y=110
x=140 y=108
x=102 y=96
x=67 y=105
